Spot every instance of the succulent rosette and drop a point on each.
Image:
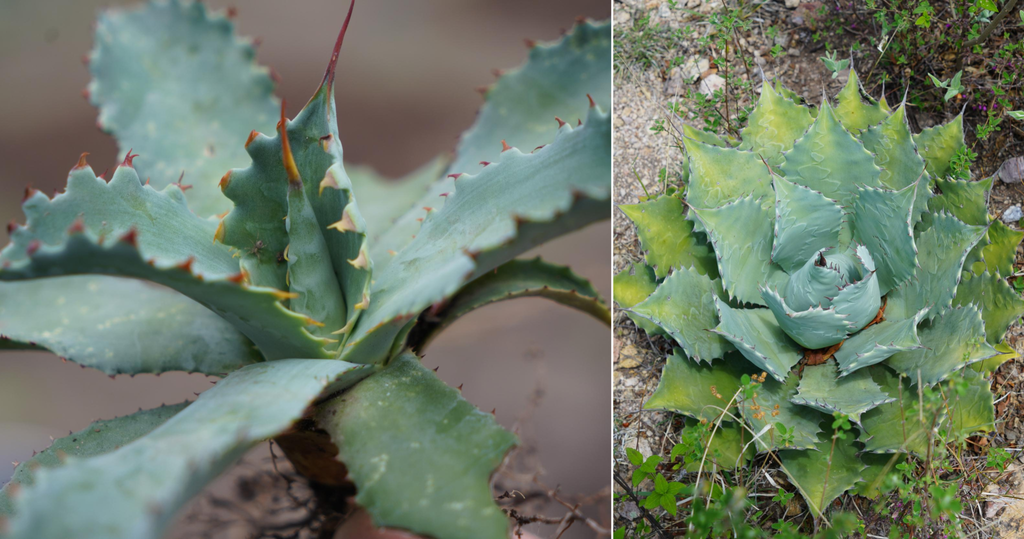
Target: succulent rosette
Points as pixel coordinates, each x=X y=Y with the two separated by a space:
x=833 y=256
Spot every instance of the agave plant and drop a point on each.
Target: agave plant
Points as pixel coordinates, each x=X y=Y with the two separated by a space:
x=826 y=263
x=296 y=279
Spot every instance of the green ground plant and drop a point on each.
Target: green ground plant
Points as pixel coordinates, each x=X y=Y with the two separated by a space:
x=311 y=307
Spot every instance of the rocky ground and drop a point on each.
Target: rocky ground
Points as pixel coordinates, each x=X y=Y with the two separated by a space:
x=642 y=97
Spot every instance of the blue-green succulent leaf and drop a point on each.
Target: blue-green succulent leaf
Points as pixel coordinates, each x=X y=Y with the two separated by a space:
x=175 y=84
x=852 y=110
x=772 y=406
x=831 y=161
x=896 y=155
x=741 y=234
x=121 y=326
x=511 y=280
x=953 y=340
x=941 y=251
x=509 y=207
x=972 y=411
x=824 y=473
x=720 y=176
x=684 y=306
x=813 y=328
x=164 y=227
x=757 y=335
x=134 y=491
x=420 y=455
x=877 y=343
x=697 y=389
x=898 y=426
x=520 y=108
x=965 y=200
x=995 y=252
x=805 y=223
x=774 y=125
x=668 y=238
x=859 y=302
x=815 y=284
x=939 y=144
x=728 y=448
x=632 y=286
x=822 y=388
x=296 y=222
x=1000 y=305
x=99 y=437
x=882 y=223
x=383 y=200
x=256 y=312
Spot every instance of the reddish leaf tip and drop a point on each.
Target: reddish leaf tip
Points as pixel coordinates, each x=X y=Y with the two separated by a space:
x=530 y=43
x=131 y=237
x=77 y=227
x=225 y=179
x=592 y=104
x=180 y=185
x=81 y=161
x=504 y=146
x=187 y=264
x=294 y=179
x=485 y=163
x=12 y=226
x=33 y=246
x=455 y=176
x=332 y=65
x=128 y=158
x=560 y=121
x=252 y=136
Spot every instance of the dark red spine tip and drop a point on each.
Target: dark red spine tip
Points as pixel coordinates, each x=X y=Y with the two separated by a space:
x=128 y=158
x=131 y=237
x=81 y=160
x=33 y=246
x=77 y=227
x=592 y=104
x=329 y=74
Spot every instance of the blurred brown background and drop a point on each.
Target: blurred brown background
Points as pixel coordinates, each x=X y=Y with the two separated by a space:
x=405 y=91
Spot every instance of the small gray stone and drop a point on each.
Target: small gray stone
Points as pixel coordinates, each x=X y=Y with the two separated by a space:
x=1012 y=170
x=1012 y=214
x=710 y=85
